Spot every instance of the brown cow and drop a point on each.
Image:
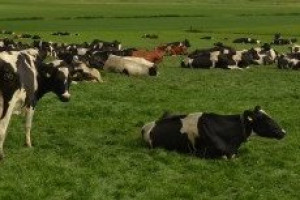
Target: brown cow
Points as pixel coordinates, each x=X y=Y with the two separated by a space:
x=155 y=56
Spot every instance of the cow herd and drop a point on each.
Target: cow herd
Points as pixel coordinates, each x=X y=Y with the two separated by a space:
x=29 y=71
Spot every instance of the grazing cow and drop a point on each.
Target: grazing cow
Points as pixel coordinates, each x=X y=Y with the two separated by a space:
x=155 y=56
x=131 y=66
x=24 y=79
x=209 y=135
x=246 y=41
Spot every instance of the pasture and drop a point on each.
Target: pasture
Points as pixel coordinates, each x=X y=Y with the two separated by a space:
x=91 y=147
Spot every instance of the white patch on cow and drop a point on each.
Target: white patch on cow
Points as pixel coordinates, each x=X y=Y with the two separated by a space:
x=147 y=128
x=226 y=51
x=272 y=54
x=20 y=102
x=100 y=45
x=32 y=53
x=29 y=116
x=81 y=51
x=1 y=44
x=190 y=127
x=119 y=47
x=66 y=95
x=10 y=58
x=258 y=41
x=294 y=61
x=56 y=63
x=64 y=70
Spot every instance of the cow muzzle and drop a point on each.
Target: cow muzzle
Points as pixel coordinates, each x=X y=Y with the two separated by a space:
x=65 y=97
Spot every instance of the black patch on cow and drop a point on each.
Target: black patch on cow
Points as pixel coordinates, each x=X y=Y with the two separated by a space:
x=9 y=83
x=220 y=135
x=202 y=62
x=166 y=134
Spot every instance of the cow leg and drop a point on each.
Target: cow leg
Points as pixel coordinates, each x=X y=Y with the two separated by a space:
x=4 y=122
x=29 y=111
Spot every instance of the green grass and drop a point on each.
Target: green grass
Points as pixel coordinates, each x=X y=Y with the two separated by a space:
x=91 y=148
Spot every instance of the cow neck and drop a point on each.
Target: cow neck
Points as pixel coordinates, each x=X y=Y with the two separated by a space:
x=44 y=85
x=247 y=126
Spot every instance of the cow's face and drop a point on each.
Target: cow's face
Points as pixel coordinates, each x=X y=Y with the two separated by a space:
x=265 y=126
x=62 y=82
x=58 y=80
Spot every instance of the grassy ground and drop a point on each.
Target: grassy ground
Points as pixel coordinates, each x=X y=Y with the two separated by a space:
x=91 y=148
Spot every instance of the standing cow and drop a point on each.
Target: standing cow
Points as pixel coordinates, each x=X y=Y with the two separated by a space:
x=24 y=79
x=210 y=135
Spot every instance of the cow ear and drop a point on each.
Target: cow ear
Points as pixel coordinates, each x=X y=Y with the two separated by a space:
x=257 y=109
x=248 y=115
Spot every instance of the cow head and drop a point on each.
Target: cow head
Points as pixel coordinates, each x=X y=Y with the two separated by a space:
x=153 y=70
x=56 y=78
x=263 y=125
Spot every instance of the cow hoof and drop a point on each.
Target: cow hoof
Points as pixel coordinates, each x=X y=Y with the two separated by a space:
x=29 y=145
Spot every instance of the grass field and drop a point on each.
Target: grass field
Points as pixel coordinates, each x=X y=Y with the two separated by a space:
x=91 y=148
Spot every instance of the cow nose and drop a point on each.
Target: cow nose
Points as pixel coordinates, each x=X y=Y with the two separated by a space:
x=66 y=96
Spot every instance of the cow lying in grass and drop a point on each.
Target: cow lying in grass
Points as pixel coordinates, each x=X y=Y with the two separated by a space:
x=24 y=79
x=131 y=66
x=210 y=135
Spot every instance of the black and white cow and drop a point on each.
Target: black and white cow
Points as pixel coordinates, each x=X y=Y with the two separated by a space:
x=295 y=49
x=218 y=59
x=289 y=61
x=246 y=41
x=24 y=79
x=131 y=66
x=209 y=135
x=265 y=55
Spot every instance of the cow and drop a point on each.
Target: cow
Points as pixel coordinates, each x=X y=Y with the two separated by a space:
x=289 y=61
x=209 y=135
x=295 y=48
x=155 y=56
x=218 y=47
x=246 y=41
x=264 y=55
x=150 y=36
x=24 y=79
x=131 y=66
x=217 y=59
x=81 y=72
x=105 y=46
x=278 y=40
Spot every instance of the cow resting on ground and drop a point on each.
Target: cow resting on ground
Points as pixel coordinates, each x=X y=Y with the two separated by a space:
x=131 y=66
x=24 y=79
x=209 y=135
